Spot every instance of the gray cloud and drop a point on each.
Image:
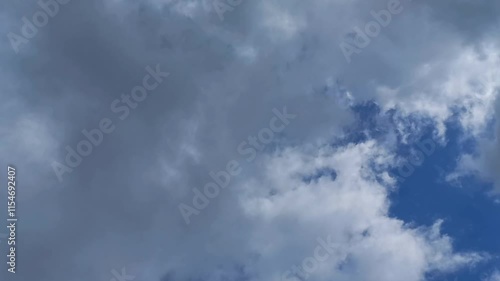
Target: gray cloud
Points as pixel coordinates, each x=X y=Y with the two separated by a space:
x=120 y=205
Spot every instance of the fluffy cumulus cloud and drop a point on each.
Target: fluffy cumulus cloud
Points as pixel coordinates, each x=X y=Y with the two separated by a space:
x=299 y=205
x=231 y=65
x=485 y=161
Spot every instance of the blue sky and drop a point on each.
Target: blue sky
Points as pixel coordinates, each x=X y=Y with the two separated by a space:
x=469 y=214
x=468 y=209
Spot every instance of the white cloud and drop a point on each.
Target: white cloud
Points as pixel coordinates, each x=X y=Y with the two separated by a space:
x=495 y=276
x=284 y=215
x=485 y=161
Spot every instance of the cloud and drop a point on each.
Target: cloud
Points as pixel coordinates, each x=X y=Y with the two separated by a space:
x=484 y=162
x=120 y=206
x=495 y=276
x=282 y=216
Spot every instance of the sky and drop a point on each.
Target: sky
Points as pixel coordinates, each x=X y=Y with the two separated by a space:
x=214 y=140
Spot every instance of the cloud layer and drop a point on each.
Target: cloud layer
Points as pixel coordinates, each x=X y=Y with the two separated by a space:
x=434 y=61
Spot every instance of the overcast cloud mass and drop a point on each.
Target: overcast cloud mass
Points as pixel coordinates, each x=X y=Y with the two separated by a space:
x=164 y=140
